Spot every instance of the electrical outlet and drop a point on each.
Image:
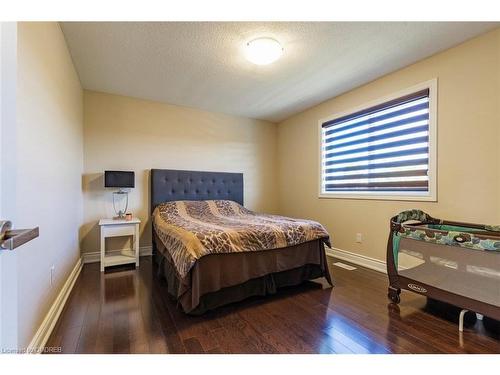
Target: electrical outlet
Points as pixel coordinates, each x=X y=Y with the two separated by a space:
x=359 y=237
x=52 y=275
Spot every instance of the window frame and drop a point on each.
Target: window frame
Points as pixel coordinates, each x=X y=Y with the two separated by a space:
x=431 y=195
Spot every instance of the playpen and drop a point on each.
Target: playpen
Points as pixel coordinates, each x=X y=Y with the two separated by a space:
x=457 y=263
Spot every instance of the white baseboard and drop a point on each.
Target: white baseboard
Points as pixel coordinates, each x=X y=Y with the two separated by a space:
x=360 y=260
x=43 y=333
x=95 y=256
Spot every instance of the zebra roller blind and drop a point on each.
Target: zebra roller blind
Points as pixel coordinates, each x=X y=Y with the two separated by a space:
x=383 y=149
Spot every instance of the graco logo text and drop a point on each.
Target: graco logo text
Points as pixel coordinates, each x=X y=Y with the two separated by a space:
x=417 y=288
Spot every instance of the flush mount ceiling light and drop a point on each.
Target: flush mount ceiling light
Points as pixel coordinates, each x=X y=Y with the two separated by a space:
x=263 y=51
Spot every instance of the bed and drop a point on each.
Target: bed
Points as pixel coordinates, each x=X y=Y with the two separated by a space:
x=194 y=217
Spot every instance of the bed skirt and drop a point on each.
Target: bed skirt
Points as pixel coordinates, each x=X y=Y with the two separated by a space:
x=220 y=279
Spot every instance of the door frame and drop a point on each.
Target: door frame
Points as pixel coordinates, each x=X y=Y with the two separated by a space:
x=8 y=128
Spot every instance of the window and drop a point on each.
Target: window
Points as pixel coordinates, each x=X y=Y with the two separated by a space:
x=385 y=150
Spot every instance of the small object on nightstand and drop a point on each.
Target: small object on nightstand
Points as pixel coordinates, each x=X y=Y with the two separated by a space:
x=128 y=216
x=118 y=228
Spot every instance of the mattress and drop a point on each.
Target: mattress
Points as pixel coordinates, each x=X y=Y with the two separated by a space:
x=190 y=230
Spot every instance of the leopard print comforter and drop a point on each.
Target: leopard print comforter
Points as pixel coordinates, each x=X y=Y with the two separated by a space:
x=192 y=229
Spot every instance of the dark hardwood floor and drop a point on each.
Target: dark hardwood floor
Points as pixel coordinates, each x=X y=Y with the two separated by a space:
x=129 y=311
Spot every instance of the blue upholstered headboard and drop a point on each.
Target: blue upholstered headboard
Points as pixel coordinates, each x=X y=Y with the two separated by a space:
x=173 y=185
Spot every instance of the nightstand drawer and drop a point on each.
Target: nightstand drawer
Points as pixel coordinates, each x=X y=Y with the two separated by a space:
x=118 y=230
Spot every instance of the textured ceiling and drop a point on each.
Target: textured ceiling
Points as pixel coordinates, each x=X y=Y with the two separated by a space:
x=201 y=64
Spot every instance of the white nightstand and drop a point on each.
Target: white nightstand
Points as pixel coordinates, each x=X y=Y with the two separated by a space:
x=118 y=228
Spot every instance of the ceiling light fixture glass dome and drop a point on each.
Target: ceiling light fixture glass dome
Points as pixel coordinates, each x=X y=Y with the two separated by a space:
x=263 y=51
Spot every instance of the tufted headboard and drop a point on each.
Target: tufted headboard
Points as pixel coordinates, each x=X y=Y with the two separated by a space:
x=173 y=185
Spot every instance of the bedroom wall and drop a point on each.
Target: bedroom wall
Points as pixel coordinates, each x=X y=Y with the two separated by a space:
x=468 y=153
x=125 y=133
x=47 y=151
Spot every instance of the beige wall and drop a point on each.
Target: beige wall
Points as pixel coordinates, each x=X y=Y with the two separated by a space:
x=124 y=133
x=48 y=153
x=468 y=152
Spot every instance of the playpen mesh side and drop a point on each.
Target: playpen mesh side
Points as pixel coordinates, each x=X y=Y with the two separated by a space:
x=463 y=271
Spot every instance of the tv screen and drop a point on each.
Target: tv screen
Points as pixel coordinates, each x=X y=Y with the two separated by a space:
x=119 y=179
